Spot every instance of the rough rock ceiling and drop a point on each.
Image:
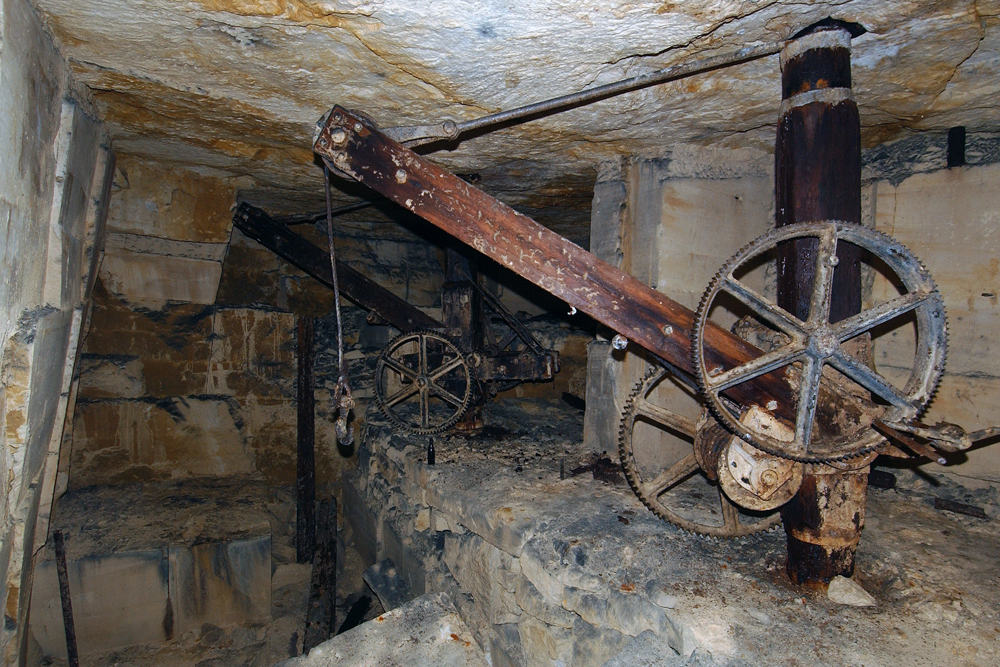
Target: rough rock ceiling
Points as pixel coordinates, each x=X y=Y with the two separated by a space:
x=237 y=85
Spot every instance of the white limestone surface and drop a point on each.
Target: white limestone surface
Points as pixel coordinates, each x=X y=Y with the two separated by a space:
x=425 y=632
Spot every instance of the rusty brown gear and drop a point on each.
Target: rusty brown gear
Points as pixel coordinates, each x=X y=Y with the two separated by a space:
x=420 y=380
x=651 y=492
x=815 y=343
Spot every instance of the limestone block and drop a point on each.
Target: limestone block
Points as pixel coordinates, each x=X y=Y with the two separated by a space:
x=535 y=604
x=703 y=223
x=171 y=437
x=152 y=281
x=118 y=600
x=648 y=650
x=485 y=571
x=106 y=378
x=593 y=645
x=225 y=584
x=408 y=562
x=505 y=646
x=603 y=415
x=427 y=631
x=362 y=520
x=171 y=203
x=545 y=645
x=948 y=219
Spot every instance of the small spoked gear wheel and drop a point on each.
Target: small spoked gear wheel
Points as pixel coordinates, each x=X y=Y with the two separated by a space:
x=813 y=354
x=423 y=382
x=664 y=473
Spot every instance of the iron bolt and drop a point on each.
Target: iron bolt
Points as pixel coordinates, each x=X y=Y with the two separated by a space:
x=619 y=342
x=400 y=176
x=358 y=127
x=667 y=330
x=834 y=260
x=338 y=136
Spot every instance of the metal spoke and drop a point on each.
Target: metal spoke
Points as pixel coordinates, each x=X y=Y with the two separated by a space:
x=671 y=476
x=756 y=367
x=730 y=515
x=761 y=306
x=400 y=368
x=423 y=353
x=805 y=413
x=446 y=395
x=871 y=318
x=402 y=394
x=666 y=418
x=869 y=379
x=819 y=304
x=424 y=408
x=450 y=366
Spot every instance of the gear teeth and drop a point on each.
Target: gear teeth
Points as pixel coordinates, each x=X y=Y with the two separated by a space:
x=460 y=411
x=881 y=243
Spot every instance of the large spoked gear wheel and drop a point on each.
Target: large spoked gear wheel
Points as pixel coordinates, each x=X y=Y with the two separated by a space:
x=423 y=382
x=664 y=473
x=813 y=353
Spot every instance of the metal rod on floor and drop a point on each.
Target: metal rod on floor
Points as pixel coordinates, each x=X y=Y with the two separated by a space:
x=67 y=604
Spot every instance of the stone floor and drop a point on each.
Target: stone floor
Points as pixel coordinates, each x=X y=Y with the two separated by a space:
x=571 y=570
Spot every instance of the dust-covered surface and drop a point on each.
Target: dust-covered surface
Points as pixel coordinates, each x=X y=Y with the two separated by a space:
x=590 y=549
x=530 y=434
x=136 y=517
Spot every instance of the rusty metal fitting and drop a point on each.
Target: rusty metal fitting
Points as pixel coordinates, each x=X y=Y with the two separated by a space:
x=709 y=441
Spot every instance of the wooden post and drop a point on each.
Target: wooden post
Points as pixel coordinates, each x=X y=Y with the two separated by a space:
x=305 y=473
x=818 y=177
x=462 y=314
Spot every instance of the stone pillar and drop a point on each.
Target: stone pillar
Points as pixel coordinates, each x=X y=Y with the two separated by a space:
x=625 y=219
x=818 y=177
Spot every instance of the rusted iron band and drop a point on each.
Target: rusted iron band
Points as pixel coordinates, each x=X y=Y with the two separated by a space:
x=829 y=96
x=823 y=39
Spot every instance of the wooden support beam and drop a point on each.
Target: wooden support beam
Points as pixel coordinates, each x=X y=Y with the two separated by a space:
x=258 y=225
x=352 y=146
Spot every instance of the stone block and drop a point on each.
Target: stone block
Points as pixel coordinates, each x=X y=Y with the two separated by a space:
x=535 y=604
x=484 y=571
x=384 y=579
x=118 y=440
x=426 y=632
x=505 y=646
x=409 y=563
x=545 y=645
x=118 y=600
x=363 y=522
x=159 y=201
x=593 y=645
x=225 y=583
x=152 y=281
x=647 y=650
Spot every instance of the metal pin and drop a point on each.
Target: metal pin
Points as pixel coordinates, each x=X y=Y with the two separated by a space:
x=619 y=342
